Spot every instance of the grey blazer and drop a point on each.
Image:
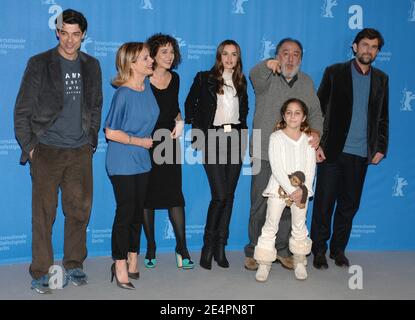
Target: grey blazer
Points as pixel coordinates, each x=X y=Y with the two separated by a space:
x=40 y=99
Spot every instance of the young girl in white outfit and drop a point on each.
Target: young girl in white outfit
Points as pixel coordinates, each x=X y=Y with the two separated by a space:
x=289 y=151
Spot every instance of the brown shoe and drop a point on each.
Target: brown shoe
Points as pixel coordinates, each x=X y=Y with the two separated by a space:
x=250 y=264
x=286 y=262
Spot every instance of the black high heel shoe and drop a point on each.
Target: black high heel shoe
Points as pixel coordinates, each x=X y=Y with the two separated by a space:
x=220 y=257
x=128 y=285
x=206 y=257
x=133 y=275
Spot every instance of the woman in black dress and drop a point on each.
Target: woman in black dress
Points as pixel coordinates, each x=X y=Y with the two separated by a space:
x=217 y=104
x=165 y=183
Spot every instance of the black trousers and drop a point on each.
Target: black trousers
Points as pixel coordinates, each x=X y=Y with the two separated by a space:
x=339 y=183
x=223 y=164
x=130 y=193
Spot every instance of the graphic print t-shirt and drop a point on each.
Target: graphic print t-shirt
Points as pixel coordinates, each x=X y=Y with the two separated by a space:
x=66 y=131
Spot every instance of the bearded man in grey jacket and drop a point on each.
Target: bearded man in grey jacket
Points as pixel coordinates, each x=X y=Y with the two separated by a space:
x=275 y=81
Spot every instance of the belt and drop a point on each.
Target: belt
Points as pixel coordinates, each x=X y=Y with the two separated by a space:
x=232 y=125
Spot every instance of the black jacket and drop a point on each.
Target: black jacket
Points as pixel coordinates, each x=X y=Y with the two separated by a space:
x=201 y=102
x=41 y=95
x=336 y=99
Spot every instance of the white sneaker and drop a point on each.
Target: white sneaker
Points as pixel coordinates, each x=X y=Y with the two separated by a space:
x=262 y=273
x=300 y=272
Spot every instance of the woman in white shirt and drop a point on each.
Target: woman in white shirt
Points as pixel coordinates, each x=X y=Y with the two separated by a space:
x=289 y=152
x=217 y=106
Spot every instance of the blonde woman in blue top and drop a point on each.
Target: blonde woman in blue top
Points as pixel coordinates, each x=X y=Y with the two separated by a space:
x=128 y=127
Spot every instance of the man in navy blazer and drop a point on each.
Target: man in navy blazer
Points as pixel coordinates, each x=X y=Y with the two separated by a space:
x=354 y=101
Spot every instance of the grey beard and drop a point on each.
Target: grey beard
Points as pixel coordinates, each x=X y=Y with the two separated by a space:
x=291 y=74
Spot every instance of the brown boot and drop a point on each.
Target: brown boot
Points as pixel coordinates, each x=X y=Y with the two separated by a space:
x=251 y=264
x=286 y=262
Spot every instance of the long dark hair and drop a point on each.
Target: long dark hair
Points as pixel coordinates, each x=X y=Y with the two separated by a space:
x=238 y=77
x=305 y=127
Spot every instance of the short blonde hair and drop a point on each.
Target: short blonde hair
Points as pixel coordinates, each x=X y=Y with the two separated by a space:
x=126 y=55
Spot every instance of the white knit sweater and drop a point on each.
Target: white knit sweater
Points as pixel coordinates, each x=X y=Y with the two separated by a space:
x=287 y=156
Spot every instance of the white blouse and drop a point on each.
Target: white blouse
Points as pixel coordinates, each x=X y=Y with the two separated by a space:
x=227 y=109
x=287 y=156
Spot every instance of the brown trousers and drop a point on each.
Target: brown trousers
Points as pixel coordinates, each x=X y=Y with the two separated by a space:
x=69 y=170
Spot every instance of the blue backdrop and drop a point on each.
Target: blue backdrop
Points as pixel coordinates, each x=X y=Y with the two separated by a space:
x=325 y=27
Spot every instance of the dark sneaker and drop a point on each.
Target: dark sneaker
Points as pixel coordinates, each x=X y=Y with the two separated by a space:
x=76 y=276
x=41 y=285
x=340 y=260
x=320 y=261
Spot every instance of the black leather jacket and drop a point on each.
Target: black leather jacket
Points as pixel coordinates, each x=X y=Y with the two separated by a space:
x=201 y=102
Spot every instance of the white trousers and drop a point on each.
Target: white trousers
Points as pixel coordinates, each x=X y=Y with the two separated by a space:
x=299 y=243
